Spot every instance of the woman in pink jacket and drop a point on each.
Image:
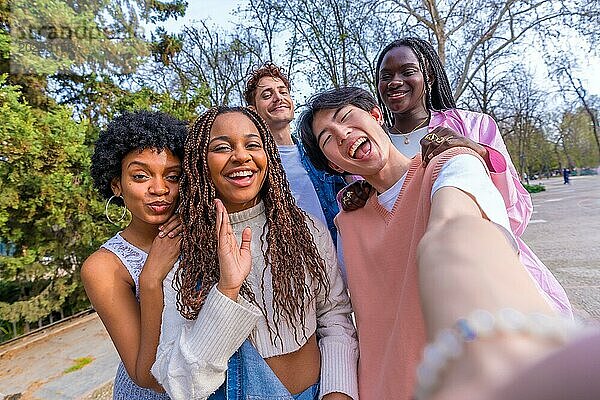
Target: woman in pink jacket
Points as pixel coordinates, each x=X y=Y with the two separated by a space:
x=415 y=95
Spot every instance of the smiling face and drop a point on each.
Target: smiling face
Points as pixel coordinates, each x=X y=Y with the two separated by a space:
x=273 y=102
x=352 y=139
x=149 y=184
x=236 y=160
x=401 y=81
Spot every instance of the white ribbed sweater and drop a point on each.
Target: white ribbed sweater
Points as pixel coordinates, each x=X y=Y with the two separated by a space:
x=192 y=356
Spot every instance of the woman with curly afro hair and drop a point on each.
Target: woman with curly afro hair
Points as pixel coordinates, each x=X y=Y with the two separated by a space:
x=257 y=306
x=137 y=166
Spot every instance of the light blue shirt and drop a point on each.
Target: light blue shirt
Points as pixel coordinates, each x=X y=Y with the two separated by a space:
x=300 y=184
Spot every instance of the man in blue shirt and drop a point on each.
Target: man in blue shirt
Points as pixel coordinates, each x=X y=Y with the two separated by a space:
x=268 y=93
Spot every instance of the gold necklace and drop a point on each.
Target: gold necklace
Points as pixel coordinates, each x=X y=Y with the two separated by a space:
x=406 y=136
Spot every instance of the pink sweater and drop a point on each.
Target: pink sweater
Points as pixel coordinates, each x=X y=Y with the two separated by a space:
x=482 y=129
x=380 y=250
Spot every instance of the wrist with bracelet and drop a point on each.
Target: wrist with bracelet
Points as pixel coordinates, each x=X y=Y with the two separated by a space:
x=450 y=343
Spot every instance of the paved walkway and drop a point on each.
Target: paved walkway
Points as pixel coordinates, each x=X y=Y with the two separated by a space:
x=35 y=366
x=564 y=232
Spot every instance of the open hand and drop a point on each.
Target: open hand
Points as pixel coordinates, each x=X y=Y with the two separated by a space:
x=235 y=261
x=441 y=139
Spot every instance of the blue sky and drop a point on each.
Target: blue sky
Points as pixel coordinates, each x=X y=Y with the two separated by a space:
x=219 y=11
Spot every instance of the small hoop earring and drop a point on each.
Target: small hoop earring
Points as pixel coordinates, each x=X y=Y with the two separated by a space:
x=122 y=214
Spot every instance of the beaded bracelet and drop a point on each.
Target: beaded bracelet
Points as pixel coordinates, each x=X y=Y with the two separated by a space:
x=449 y=343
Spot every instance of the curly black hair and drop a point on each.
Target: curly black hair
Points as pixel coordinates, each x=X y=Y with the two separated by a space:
x=133 y=131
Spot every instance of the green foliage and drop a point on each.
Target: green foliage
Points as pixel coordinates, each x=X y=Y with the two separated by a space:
x=165 y=46
x=51 y=218
x=49 y=213
x=184 y=108
x=51 y=36
x=159 y=11
x=41 y=40
x=579 y=145
x=535 y=188
x=78 y=364
x=100 y=99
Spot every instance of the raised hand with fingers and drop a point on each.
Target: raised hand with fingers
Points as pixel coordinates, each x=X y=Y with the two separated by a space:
x=235 y=261
x=441 y=139
x=162 y=256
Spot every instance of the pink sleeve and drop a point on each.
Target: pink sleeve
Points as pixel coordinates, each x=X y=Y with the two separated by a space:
x=517 y=200
x=494 y=160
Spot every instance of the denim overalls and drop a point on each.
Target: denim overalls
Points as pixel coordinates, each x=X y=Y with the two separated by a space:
x=250 y=378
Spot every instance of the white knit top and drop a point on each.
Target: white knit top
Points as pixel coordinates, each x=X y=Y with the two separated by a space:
x=192 y=356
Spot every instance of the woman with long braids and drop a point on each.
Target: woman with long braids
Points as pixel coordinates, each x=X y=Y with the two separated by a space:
x=269 y=316
x=415 y=96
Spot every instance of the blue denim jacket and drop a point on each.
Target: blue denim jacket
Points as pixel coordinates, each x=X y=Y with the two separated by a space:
x=249 y=377
x=327 y=187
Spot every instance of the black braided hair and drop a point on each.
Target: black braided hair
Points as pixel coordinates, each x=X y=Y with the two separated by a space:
x=290 y=250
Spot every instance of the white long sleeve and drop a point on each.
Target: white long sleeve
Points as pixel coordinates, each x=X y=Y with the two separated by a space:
x=192 y=355
x=335 y=331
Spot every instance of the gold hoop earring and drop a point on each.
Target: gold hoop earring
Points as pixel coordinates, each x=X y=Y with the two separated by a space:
x=122 y=214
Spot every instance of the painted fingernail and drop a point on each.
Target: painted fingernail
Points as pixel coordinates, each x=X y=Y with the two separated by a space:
x=161 y=234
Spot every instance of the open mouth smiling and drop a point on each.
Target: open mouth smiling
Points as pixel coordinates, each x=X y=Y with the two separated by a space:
x=241 y=178
x=397 y=94
x=360 y=148
x=240 y=174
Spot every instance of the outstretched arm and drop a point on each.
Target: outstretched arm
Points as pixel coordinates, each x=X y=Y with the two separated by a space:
x=466 y=263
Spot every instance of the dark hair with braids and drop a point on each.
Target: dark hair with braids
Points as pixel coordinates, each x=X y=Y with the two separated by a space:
x=290 y=253
x=439 y=96
x=331 y=99
x=267 y=69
